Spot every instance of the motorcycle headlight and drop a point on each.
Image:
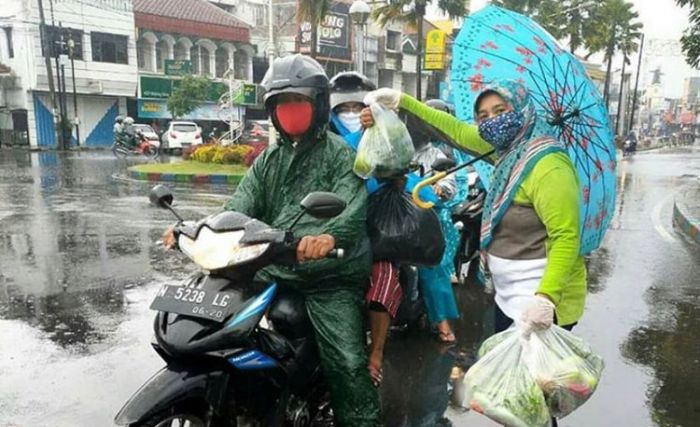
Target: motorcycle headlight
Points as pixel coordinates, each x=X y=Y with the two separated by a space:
x=214 y=251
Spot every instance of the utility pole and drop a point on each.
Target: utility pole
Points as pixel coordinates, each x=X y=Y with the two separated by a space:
x=636 y=83
x=231 y=95
x=71 y=50
x=272 y=135
x=619 y=98
x=420 y=14
x=47 y=57
x=61 y=74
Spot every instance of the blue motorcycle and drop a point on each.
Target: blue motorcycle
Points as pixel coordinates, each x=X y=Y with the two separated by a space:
x=237 y=352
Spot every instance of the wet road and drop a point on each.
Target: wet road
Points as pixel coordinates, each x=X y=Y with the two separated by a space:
x=79 y=266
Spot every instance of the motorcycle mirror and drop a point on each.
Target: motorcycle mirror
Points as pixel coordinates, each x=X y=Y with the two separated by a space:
x=442 y=164
x=323 y=205
x=161 y=196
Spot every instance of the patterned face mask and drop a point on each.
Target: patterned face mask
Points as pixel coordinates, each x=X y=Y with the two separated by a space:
x=500 y=131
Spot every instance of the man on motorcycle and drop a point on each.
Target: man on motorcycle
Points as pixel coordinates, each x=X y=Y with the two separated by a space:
x=310 y=158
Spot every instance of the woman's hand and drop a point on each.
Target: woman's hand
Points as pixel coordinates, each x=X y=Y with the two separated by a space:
x=539 y=315
x=389 y=99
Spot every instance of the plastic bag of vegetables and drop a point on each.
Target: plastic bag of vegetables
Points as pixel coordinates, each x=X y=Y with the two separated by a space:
x=564 y=367
x=386 y=149
x=501 y=387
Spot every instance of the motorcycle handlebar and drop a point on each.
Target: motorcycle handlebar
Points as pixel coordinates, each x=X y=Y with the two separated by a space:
x=336 y=254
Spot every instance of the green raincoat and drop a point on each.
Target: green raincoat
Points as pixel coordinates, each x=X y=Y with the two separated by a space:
x=271 y=192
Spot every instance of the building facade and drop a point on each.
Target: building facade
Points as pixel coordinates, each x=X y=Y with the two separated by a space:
x=175 y=37
x=99 y=38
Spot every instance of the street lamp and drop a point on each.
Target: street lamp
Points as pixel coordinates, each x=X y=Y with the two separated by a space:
x=359 y=12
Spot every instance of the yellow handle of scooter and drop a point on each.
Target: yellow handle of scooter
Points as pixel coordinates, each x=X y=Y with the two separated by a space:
x=429 y=181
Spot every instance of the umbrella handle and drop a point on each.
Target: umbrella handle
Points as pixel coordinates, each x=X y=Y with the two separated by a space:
x=429 y=181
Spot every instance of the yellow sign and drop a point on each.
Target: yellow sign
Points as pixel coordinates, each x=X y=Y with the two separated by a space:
x=435 y=41
x=434 y=61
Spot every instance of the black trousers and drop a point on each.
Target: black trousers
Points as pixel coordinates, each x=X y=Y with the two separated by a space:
x=503 y=322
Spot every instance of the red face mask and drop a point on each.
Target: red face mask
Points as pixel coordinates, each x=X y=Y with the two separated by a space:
x=294 y=117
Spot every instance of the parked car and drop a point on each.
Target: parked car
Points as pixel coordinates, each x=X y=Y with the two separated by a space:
x=180 y=134
x=148 y=133
x=256 y=131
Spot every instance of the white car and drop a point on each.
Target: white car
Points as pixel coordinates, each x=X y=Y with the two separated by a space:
x=181 y=133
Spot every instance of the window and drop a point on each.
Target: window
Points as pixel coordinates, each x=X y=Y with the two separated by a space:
x=260 y=13
x=393 y=40
x=57 y=39
x=8 y=37
x=109 y=48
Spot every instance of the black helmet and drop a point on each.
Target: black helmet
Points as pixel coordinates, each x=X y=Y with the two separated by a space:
x=441 y=105
x=301 y=75
x=350 y=86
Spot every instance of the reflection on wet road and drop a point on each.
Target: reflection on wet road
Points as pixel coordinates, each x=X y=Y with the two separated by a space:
x=79 y=266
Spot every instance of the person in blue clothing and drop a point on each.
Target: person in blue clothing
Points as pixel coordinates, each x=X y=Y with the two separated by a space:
x=435 y=281
x=348 y=90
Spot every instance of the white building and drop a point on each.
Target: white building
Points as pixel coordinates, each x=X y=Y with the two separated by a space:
x=105 y=67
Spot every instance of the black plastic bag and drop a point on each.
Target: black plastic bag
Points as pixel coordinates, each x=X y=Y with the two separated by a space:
x=402 y=232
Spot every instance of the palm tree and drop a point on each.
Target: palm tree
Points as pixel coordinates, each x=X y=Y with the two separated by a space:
x=313 y=12
x=412 y=12
x=526 y=7
x=616 y=30
x=563 y=19
x=690 y=42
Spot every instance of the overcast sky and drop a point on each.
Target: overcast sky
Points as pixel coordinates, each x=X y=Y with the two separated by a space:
x=662 y=19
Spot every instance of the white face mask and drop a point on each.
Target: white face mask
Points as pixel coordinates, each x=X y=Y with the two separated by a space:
x=351 y=120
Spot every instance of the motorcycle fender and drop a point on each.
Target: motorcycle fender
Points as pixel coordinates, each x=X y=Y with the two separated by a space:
x=173 y=385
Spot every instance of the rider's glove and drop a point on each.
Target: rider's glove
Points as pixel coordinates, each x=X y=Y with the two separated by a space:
x=539 y=315
x=388 y=98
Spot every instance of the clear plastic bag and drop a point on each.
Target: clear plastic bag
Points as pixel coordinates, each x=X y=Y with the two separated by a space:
x=501 y=387
x=564 y=367
x=386 y=149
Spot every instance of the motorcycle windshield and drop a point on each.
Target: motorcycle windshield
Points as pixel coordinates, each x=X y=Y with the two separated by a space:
x=218 y=250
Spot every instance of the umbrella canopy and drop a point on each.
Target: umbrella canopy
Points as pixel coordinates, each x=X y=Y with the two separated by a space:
x=496 y=44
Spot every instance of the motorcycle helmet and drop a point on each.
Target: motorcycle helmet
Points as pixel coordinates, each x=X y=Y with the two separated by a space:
x=119 y=119
x=128 y=121
x=301 y=75
x=441 y=105
x=350 y=86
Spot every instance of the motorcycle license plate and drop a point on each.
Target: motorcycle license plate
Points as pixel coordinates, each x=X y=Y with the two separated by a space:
x=189 y=301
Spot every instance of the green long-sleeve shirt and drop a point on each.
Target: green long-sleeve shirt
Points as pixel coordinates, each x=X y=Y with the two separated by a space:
x=552 y=189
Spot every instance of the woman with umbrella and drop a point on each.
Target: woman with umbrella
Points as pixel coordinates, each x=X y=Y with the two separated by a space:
x=530 y=236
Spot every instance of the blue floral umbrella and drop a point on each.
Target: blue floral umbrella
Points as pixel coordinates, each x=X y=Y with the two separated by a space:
x=498 y=44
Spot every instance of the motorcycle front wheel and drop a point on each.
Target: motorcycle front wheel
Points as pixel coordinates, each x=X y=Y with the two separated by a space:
x=151 y=152
x=119 y=151
x=177 y=420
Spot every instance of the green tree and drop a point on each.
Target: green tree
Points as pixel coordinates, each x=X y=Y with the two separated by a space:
x=563 y=19
x=526 y=7
x=616 y=30
x=313 y=12
x=412 y=12
x=690 y=42
x=188 y=94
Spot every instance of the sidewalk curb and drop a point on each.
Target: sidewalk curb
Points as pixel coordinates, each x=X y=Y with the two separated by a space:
x=185 y=178
x=683 y=216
